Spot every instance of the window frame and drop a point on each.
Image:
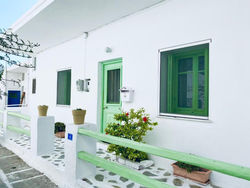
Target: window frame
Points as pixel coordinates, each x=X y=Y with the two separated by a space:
x=170 y=104
x=61 y=70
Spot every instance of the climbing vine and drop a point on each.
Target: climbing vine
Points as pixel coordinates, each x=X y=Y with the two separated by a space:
x=12 y=47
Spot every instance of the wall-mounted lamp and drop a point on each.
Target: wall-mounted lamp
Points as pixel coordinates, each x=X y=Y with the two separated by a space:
x=108 y=50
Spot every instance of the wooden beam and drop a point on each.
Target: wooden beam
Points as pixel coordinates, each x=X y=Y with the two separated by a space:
x=18 y=130
x=122 y=171
x=22 y=116
x=219 y=166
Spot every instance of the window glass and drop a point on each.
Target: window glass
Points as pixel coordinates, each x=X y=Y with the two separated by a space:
x=113 y=86
x=63 y=87
x=184 y=81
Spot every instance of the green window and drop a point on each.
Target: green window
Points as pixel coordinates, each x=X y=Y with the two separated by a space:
x=63 y=87
x=184 y=81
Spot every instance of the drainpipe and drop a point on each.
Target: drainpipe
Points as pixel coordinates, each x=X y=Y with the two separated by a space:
x=6 y=96
x=85 y=36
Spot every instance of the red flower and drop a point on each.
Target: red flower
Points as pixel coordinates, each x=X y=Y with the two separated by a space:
x=106 y=133
x=145 y=119
x=127 y=114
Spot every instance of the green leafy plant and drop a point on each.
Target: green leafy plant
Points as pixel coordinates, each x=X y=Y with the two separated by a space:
x=59 y=127
x=189 y=168
x=132 y=125
x=78 y=109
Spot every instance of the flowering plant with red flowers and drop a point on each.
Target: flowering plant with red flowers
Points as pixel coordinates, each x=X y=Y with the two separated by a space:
x=132 y=125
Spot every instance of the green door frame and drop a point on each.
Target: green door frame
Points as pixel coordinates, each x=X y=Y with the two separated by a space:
x=101 y=86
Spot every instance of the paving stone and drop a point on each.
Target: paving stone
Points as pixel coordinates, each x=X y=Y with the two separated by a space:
x=194 y=186
x=99 y=177
x=100 y=152
x=160 y=169
x=214 y=186
x=2 y=184
x=123 y=179
x=5 y=152
x=147 y=173
x=112 y=174
x=177 y=182
x=23 y=175
x=112 y=181
x=45 y=156
x=130 y=185
x=12 y=164
x=61 y=157
x=39 y=182
x=162 y=179
x=87 y=180
x=167 y=174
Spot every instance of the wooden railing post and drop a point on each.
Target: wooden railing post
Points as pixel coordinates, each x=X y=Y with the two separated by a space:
x=76 y=168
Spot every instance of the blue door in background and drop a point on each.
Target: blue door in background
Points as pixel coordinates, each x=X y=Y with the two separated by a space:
x=14 y=98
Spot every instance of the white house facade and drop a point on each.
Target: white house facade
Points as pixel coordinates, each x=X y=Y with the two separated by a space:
x=210 y=41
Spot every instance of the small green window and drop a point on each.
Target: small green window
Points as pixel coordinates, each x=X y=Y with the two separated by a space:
x=184 y=81
x=63 y=87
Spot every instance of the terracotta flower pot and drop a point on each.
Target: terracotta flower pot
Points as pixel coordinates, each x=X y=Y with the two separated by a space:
x=200 y=176
x=42 y=110
x=60 y=134
x=79 y=116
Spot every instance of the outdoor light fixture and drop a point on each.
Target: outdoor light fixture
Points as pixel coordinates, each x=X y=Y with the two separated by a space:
x=108 y=50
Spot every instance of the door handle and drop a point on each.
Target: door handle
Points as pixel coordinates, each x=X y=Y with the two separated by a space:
x=105 y=107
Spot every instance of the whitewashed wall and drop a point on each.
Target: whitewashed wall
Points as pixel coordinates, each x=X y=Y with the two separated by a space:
x=137 y=39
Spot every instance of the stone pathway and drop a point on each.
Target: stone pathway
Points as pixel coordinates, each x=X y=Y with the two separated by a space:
x=105 y=178
x=56 y=158
x=15 y=173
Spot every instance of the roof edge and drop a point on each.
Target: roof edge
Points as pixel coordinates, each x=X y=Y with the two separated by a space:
x=31 y=13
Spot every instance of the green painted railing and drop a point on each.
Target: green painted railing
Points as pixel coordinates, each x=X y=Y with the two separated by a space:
x=21 y=116
x=121 y=170
x=18 y=130
x=219 y=166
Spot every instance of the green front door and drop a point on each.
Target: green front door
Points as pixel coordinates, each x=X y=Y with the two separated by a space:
x=112 y=82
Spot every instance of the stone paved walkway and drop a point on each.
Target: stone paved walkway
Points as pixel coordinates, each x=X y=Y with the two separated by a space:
x=103 y=178
x=107 y=179
x=15 y=173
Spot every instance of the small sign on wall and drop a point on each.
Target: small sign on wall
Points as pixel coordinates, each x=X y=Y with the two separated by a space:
x=70 y=136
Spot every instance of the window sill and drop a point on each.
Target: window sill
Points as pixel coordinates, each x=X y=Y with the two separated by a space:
x=61 y=105
x=185 y=117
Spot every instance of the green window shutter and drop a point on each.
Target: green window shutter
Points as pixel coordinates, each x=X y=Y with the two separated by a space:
x=64 y=87
x=184 y=81
x=34 y=86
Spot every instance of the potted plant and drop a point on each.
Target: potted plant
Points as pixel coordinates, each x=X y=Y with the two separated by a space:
x=42 y=110
x=60 y=130
x=132 y=125
x=191 y=172
x=79 y=116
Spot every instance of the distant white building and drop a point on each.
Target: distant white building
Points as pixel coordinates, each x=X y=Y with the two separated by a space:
x=187 y=62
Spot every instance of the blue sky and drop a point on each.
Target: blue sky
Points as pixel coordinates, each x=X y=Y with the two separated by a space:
x=11 y=10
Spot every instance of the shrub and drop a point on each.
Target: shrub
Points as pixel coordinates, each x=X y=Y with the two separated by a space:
x=131 y=125
x=189 y=168
x=59 y=127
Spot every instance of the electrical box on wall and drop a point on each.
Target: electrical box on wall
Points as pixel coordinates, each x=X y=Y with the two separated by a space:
x=83 y=85
x=127 y=94
x=79 y=85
